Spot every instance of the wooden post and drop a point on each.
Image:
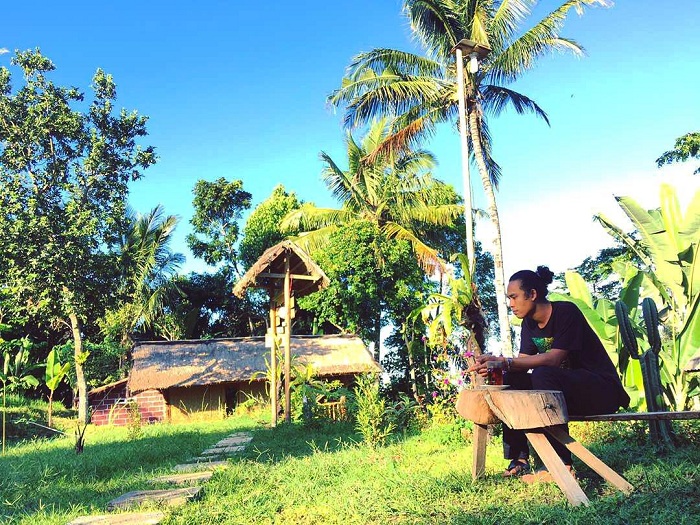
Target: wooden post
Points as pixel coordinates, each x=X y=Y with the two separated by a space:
x=287 y=340
x=590 y=459
x=481 y=437
x=562 y=477
x=273 y=361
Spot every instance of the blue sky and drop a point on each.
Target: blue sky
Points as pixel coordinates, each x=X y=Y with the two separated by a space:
x=238 y=90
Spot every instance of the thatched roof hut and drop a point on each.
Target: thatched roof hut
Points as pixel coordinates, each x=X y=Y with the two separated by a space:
x=165 y=364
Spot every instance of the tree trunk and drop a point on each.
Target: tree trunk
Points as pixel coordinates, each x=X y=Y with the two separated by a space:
x=499 y=279
x=79 y=372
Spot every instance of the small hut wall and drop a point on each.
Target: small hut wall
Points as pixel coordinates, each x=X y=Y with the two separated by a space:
x=210 y=402
x=111 y=406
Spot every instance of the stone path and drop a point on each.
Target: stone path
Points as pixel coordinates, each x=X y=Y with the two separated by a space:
x=199 y=470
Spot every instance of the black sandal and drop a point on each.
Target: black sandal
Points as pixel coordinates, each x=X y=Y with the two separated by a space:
x=516 y=468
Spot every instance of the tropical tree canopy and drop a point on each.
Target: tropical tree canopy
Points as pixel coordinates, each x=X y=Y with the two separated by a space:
x=687 y=147
x=420 y=92
x=395 y=192
x=64 y=174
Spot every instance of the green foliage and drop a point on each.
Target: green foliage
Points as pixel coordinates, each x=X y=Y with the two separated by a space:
x=16 y=375
x=65 y=167
x=134 y=429
x=218 y=206
x=686 y=147
x=669 y=274
x=106 y=362
x=147 y=266
x=372 y=415
x=54 y=374
x=370 y=276
x=262 y=228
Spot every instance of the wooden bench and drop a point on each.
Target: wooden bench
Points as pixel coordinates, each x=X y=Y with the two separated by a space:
x=640 y=416
x=535 y=412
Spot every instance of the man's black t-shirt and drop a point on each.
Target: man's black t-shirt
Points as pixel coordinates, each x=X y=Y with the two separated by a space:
x=567 y=329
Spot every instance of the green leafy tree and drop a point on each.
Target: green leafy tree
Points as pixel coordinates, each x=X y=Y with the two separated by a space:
x=64 y=177
x=420 y=92
x=205 y=308
x=262 y=229
x=686 y=147
x=370 y=276
x=218 y=206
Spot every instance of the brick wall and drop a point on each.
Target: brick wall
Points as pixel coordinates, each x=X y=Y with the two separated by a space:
x=110 y=407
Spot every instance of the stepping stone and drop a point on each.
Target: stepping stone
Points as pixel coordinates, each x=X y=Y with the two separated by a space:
x=130 y=518
x=206 y=464
x=237 y=439
x=218 y=451
x=186 y=478
x=171 y=498
x=232 y=442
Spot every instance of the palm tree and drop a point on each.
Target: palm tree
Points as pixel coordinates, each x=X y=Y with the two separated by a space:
x=394 y=191
x=420 y=92
x=147 y=264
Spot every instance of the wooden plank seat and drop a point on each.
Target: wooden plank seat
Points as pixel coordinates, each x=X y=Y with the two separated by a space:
x=640 y=416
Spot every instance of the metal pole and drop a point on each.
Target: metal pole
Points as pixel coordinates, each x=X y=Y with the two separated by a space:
x=287 y=340
x=273 y=360
x=466 y=182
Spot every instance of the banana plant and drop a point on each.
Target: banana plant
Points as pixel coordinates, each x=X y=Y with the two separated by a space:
x=600 y=314
x=15 y=374
x=669 y=250
x=53 y=376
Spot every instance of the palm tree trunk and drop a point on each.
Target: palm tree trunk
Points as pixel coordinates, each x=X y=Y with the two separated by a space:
x=499 y=278
x=79 y=371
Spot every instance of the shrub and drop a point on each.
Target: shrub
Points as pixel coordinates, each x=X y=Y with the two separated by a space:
x=373 y=418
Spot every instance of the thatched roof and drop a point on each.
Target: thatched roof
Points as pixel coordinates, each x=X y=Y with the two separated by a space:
x=165 y=364
x=104 y=388
x=268 y=271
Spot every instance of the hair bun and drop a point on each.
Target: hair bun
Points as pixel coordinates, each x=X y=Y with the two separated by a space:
x=545 y=274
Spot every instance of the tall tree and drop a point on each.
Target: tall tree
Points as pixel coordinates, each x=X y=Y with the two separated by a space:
x=395 y=192
x=64 y=178
x=218 y=206
x=421 y=91
x=262 y=229
x=146 y=266
x=372 y=278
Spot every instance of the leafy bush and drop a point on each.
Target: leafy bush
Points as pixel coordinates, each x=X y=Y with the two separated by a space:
x=373 y=417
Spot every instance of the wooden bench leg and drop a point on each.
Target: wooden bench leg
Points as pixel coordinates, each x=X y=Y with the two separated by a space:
x=590 y=459
x=481 y=436
x=561 y=475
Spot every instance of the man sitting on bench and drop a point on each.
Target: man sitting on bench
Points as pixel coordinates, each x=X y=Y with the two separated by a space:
x=563 y=353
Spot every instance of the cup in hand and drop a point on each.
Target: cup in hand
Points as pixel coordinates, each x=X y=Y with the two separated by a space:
x=494 y=372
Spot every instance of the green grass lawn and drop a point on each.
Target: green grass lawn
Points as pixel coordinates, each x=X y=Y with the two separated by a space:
x=295 y=474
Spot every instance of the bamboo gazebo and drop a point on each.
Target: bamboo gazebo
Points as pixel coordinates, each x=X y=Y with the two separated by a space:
x=285 y=271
